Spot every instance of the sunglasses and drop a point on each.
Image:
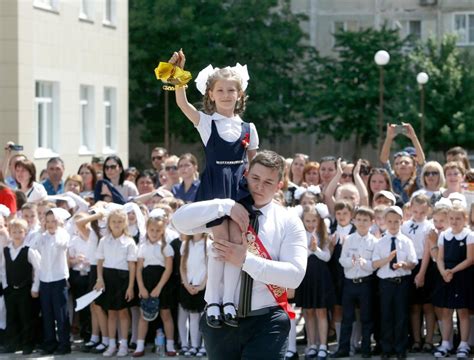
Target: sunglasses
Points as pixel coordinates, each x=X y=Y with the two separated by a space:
x=346 y=175
x=431 y=173
x=169 y=168
x=153 y=158
x=110 y=167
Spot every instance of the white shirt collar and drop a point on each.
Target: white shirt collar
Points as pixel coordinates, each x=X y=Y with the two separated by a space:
x=448 y=235
x=217 y=116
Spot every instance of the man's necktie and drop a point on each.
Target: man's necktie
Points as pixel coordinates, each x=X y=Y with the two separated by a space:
x=393 y=247
x=246 y=282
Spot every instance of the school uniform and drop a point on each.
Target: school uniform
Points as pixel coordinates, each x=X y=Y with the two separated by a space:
x=54 y=273
x=196 y=271
x=79 y=278
x=417 y=232
x=154 y=260
x=283 y=236
x=358 y=288
x=116 y=254
x=316 y=291
x=394 y=288
x=20 y=277
x=337 y=272
x=456 y=294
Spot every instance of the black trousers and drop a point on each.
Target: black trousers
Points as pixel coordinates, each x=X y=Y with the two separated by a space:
x=19 y=306
x=257 y=337
x=79 y=286
x=394 y=315
x=356 y=294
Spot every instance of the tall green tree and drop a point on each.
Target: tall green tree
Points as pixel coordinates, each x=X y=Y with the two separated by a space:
x=263 y=34
x=346 y=100
x=449 y=93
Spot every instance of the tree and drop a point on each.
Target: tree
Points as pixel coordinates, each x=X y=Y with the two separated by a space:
x=449 y=102
x=264 y=34
x=346 y=100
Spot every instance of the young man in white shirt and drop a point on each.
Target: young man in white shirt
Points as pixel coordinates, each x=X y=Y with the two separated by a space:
x=283 y=237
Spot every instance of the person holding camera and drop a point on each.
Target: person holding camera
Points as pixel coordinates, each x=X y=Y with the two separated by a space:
x=406 y=171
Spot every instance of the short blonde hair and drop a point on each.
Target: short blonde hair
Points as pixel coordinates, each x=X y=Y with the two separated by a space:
x=435 y=166
x=18 y=223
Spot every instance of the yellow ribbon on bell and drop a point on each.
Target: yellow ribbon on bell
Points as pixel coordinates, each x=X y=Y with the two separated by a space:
x=172 y=74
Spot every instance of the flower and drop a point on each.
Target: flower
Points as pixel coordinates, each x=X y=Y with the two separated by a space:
x=246 y=141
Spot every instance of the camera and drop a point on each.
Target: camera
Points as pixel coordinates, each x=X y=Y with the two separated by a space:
x=16 y=147
x=400 y=129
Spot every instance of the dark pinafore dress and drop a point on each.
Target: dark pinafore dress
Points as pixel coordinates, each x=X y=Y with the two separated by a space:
x=455 y=294
x=225 y=166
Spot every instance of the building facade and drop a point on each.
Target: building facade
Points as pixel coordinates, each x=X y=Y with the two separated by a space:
x=420 y=18
x=64 y=78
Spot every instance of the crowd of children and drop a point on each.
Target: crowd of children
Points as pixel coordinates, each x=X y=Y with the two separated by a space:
x=390 y=250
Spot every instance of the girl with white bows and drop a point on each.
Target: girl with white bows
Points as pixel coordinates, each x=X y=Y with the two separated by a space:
x=229 y=145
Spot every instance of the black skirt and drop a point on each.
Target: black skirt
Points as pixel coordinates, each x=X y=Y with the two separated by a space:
x=457 y=294
x=192 y=303
x=116 y=284
x=422 y=295
x=316 y=291
x=151 y=277
x=337 y=273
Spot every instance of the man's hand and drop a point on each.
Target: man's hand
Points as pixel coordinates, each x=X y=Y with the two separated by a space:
x=241 y=216
x=230 y=252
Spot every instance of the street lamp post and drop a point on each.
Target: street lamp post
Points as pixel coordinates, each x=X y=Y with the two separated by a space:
x=381 y=58
x=422 y=78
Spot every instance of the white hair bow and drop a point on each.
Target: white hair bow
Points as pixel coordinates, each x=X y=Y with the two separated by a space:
x=4 y=211
x=201 y=79
x=301 y=190
x=157 y=213
x=322 y=210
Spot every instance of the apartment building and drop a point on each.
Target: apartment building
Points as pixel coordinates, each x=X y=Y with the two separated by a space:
x=64 y=78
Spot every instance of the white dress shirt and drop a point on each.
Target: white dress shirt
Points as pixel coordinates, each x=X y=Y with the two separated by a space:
x=229 y=129
x=116 y=253
x=358 y=247
x=34 y=258
x=152 y=253
x=36 y=193
x=79 y=246
x=342 y=232
x=322 y=253
x=417 y=232
x=405 y=252
x=196 y=264
x=282 y=234
x=449 y=236
x=53 y=251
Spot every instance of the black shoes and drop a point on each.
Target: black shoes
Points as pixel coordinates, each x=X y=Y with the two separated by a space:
x=230 y=319
x=62 y=351
x=212 y=320
x=340 y=354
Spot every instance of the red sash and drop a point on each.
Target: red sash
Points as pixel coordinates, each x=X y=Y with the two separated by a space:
x=256 y=247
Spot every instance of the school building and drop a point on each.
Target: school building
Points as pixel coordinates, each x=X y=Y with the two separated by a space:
x=64 y=78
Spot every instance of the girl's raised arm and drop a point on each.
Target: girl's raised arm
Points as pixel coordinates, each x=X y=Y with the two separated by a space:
x=188 y=109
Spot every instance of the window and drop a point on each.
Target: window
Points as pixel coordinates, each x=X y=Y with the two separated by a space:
x=110 y=119
x=350 y=25
x=464 y=28
x=414 y=29
x=86 y=11
x=47 y=99
x=51 y=5
x=86 y=104
x=110 y=12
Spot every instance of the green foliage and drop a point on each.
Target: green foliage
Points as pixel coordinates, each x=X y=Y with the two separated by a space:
x=449 y=101
x=264 y=34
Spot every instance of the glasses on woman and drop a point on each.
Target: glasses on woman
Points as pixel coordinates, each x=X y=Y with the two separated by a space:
x=170 y=168
x=110 y=167
x=431 y=173
x=345 y=176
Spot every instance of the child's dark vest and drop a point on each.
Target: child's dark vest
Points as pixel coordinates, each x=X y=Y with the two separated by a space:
x=19 y=271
